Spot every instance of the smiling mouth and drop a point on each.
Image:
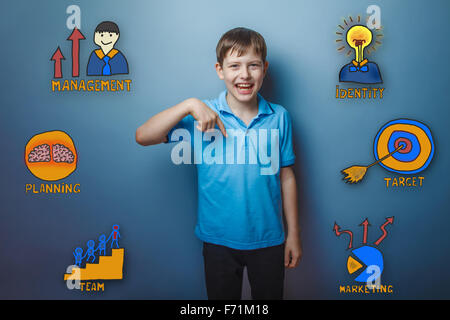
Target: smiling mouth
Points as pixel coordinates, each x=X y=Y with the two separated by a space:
x=106 y=43
x=245 y=87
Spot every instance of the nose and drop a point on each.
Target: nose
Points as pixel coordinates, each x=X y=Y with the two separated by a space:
x=244 y=73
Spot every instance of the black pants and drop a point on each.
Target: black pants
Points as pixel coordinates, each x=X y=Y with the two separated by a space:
x=224 y=272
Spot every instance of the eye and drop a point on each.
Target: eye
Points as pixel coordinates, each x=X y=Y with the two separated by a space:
x=110 y=34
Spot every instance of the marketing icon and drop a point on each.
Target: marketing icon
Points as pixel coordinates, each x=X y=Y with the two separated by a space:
x=366 y=263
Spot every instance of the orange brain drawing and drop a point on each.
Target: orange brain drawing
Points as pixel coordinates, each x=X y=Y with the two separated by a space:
x=51 y=155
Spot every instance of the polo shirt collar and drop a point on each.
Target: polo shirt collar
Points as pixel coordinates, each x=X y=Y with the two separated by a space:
x=264 y=107
x=101 y=55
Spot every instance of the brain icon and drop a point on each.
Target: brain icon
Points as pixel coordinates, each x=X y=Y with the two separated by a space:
x=51 y=155
x=40 y=154
x=62 y=154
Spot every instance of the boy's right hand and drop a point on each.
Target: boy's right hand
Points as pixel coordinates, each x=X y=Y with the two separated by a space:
x=205 y=116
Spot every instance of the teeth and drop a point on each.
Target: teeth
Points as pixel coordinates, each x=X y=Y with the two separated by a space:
x=244 y=85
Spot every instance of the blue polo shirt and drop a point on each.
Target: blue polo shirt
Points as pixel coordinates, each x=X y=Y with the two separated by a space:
x=239 y=191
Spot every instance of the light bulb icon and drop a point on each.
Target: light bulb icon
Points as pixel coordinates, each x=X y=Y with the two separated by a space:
x=359 y=37
x=362 y=41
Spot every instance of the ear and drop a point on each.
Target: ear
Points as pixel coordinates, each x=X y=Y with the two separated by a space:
x=266 y=66
x=219 y=71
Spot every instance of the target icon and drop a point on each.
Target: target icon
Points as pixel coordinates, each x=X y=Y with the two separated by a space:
x=402 y=146
x=415 y=144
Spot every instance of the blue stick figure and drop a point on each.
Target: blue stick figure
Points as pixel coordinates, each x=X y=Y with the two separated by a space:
x=90 y=250
x=115 y=236
x=101 y=245
x=78 y=254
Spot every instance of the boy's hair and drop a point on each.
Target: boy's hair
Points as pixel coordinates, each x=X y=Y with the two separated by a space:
x=107 y=26
x=240 y=39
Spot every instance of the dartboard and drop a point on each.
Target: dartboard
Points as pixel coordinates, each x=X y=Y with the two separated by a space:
x=417 y=146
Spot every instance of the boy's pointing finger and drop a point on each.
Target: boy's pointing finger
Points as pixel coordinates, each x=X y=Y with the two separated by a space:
x=221 y=127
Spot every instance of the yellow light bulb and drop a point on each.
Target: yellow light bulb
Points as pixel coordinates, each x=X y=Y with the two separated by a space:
x=359 y=37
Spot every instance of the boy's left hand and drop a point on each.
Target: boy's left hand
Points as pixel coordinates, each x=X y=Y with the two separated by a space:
x=292 y=251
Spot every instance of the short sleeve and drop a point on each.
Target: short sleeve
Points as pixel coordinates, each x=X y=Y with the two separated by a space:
x=287 y=146
x=182 y=130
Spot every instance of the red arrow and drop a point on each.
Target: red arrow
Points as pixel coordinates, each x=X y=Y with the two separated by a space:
x=75 y=37
x=57 y=57
x=338 y=233
x=366 y=225
x=388 y=221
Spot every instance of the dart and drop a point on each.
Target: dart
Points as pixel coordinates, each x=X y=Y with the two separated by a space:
x=402 y=146
x=355 y=174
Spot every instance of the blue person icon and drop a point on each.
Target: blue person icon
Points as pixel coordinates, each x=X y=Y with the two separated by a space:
x=101 y=245
x=78 y=254
x=115 y=236
x=90 y=250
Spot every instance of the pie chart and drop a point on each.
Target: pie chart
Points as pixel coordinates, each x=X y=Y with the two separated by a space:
x=361 y=259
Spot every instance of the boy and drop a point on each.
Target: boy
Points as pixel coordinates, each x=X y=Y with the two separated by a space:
x=106 y=61
x=240 y=205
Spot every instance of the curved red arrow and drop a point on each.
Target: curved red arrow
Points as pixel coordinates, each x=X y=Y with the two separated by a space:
x=57 y=57
x=338 y=233
x=75 y=37
x=366 y=225
x=384 y=235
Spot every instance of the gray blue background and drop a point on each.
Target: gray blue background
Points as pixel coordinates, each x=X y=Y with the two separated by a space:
x=170 y=47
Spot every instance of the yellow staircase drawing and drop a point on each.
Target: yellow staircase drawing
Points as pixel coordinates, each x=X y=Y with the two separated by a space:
x=108 y=268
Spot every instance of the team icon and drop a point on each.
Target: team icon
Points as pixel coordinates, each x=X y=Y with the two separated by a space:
x=401 y=146
x=101 y=261
x=358 y=41
x=51 y=155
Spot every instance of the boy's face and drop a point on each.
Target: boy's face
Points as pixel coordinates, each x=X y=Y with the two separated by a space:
x=105 y=39
x=244 y=75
